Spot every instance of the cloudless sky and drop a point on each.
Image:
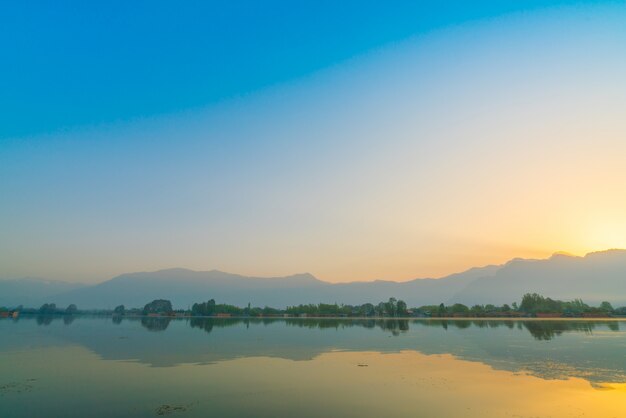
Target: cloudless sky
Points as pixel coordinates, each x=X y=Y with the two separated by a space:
x=76 y=63
x=353 y=140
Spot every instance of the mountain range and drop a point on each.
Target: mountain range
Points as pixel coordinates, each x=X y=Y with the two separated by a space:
x=596 y=277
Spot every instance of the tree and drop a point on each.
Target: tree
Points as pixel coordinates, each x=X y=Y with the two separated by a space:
x=70 y=310
x=158 y=306
x=606 y=307
x=620 y=311
x=119 y=310
x=367 y=309
x=477 y=310
x=441 y=310
x=459 y=308
x=48 y=308
x=531 y=302
x=380 y=309
x=210 y=307
x=401 y=308
x=390 y=307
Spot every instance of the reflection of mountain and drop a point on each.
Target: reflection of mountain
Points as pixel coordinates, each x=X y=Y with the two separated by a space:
x=549 y=349
x=594 y=278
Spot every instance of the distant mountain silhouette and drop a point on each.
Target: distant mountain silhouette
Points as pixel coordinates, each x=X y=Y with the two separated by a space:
x=30 y=291
x=184 y=287
x=595 y=277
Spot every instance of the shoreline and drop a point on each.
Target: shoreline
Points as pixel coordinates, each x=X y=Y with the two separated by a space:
x=360 y=318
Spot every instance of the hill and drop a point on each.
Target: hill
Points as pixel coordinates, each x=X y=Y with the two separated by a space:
x=31 y=291
x=595 y=277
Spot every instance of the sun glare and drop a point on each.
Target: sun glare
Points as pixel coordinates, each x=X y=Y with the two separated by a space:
x=606 y=235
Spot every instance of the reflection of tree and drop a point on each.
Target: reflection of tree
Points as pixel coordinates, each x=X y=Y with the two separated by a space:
x=395 y=326
x=68 y=319
x=202 y=323
x=207 y=324
x=321 y=323
x=44 y=319
x=462 y=324
x=117 y=319
x=435 y=323
x=547 y=330
x=540 y=330
x=155 y=324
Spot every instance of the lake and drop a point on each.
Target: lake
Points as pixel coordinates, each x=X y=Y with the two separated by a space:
x=147 y=367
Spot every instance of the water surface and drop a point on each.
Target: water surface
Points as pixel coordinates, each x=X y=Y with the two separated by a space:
x=103 y=367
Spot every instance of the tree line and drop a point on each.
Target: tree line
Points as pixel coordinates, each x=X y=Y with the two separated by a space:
x=532 y=304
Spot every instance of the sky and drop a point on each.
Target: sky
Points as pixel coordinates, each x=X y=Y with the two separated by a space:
x=354 y=141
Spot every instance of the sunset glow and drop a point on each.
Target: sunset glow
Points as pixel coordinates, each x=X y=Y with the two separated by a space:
x=313 y=209
x=464 y=145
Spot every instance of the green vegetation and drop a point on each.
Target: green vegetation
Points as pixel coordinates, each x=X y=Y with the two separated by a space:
x=158 y=307
x=392 y=308
x=531 y=305
x=476 y=311
x=210 y=308
x=537 y=304
x=48 y=308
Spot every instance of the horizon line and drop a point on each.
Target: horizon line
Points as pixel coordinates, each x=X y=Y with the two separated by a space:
x=215 y=270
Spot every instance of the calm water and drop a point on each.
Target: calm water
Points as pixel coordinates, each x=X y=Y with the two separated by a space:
x=101 y=367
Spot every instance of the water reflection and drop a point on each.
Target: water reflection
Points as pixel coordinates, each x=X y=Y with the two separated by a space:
x=401 y=384
x=542 y=330
x=547 y=330
x=44 y=319
x=155 y=324
x=551 y=349
x=207 y=324
x=395 y=326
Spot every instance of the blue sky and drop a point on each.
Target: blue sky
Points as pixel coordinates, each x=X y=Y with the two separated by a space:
x=70 y=64
x=354 y=141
